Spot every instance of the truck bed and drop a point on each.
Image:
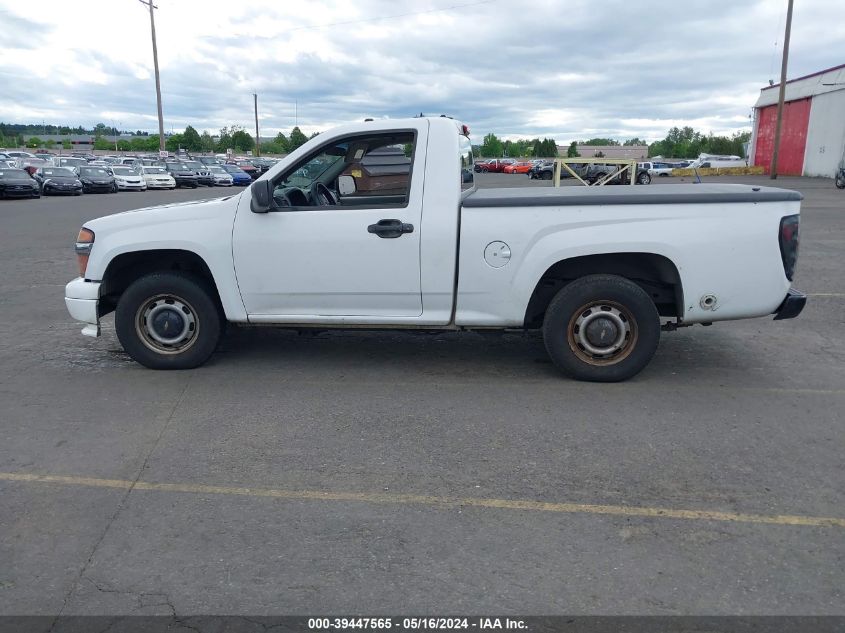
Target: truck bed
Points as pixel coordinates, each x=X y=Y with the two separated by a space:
x=692 y=193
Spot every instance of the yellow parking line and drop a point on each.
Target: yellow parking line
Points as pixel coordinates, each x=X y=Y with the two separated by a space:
x=395 y=498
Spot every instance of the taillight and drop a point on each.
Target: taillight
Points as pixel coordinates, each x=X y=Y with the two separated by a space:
x=789 y=244
x=84 y=243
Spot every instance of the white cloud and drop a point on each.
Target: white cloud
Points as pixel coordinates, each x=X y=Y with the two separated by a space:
x=569 y=69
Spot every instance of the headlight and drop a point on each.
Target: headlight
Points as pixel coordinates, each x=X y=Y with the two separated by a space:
x=85 y=181
x=84 y=244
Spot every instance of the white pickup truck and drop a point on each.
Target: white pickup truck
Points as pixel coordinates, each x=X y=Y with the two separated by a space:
x=380 y=225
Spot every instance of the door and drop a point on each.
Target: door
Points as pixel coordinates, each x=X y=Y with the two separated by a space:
x=322 y=253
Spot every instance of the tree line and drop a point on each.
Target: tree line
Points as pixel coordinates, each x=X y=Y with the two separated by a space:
x=232 y=137
x=687 y=143
x=493 y=147
x=679 y=143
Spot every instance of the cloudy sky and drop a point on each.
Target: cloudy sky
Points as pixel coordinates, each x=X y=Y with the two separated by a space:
x=567 y=69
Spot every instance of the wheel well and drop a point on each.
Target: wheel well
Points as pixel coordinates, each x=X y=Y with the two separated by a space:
x=655 y=274
x=126 y=268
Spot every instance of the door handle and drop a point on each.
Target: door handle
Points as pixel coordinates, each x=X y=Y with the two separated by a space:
x=390 y=228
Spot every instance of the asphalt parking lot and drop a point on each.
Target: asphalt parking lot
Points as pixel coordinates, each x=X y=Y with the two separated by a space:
x=364 y=472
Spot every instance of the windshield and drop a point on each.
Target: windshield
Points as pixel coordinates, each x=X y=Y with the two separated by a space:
x=193 y=165
x=124 y=171
x=215 y=169
x=154 y=170
x=13 y=173
x=316 y=167
x=93 y=171
x=233 y=169
x=58 y=172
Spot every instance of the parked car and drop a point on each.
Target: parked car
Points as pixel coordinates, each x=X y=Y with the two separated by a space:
x=33 y=164
x=596 y=172
x=239 y=176
x=221 y=177
x=96 y=179
x=601 y=272
x=157 y=177
x=128 y=178
x=204 y=176
x=660 y=169
x=839 y=181
x=517 y=168
x=17 y=154
x=58 y=180
x=545 y=170
x=16 y=183
x=248 y=168
x=209 y=160
x=263 y=164
x=70 y=162
x=183 y=176
x=493 y=165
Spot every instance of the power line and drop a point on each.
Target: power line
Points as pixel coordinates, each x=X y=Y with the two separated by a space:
x=390 y=17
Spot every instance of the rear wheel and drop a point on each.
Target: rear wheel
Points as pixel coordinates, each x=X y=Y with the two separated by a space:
x=840 y=182
x=601 y=328
x=644 y=179
x=168 y=321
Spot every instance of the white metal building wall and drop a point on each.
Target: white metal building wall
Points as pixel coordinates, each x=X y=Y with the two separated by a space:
x=825 y=134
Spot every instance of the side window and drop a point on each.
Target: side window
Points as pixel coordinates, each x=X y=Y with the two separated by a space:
x=360 y=170
x=467 y=176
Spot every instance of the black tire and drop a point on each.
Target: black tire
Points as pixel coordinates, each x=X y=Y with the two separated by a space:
x=644 y=179
x=627 y=314
x=181 y=299
x=840 y=182
x=547 y=175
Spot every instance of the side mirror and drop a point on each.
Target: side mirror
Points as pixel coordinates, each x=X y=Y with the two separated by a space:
x=262 y=196
x=346 y=185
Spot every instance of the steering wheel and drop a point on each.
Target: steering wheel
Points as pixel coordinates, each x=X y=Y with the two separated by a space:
x=321 y=195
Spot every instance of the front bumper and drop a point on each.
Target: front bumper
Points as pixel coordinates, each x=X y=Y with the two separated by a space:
x=82 y=299
x=791 y=306
x=19 y=193
x=131 y=186
x=97 y=187
x=51 y=188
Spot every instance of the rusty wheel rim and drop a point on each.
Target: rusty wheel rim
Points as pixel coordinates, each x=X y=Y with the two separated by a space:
x=602 y=333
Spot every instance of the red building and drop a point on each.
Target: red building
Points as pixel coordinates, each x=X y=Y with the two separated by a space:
x=812 y=140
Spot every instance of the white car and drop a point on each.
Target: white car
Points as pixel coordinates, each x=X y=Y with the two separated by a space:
x=157 y=177
x=222 y=178
x=18 y=155
x=128 y=179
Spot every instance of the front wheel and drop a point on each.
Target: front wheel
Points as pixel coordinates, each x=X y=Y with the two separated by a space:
x=601 y=328
x=168 y=321
x=840 y=182
x=644 y=179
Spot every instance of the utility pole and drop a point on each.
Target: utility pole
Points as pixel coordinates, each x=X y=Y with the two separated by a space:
x=150 y=4
x=775 y=150
x=257 y=143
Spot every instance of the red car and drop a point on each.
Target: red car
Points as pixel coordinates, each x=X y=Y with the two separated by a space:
x=517 y=168
x=494 y=165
